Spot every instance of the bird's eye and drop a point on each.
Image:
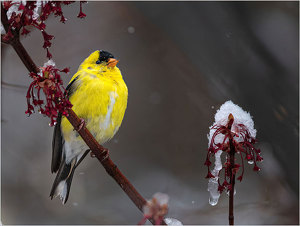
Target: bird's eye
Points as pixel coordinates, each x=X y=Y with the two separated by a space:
x=98 y=62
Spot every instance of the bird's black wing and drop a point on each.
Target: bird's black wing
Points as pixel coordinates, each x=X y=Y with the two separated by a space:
x=71 y=87
x=57 y=141
x=57 y=145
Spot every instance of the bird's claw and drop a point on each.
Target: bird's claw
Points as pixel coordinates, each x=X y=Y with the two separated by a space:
x=105 y=154
x=92 y=154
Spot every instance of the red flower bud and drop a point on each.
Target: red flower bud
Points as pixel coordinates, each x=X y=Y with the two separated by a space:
x=65 y=70
x=81 y=15
x=240 y=178
x=209 y=175
x=249 y=157
x=207 y=162
x=259 y=158
x=256 y=168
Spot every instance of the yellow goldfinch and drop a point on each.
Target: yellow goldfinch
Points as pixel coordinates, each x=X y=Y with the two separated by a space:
x=99 y=96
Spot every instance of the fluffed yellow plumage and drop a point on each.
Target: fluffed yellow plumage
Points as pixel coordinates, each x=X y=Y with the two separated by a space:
x=98 y=94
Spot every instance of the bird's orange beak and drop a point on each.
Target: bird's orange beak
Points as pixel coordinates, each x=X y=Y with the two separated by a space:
x=112 y=62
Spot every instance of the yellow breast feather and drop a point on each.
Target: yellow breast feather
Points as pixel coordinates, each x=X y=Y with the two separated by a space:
x=100 y=99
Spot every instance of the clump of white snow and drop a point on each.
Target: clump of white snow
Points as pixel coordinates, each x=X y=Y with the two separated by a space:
x=15 y=8
x=240 y=117
x=49 y=63
x=172 y=221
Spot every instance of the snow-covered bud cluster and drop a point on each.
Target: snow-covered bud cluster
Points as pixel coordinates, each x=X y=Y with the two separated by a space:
x=231 y=123
x=156 y=208
x=23 y=14
x=48 y=80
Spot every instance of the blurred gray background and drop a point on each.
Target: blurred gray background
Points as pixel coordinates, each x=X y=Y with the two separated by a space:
x=181 y=61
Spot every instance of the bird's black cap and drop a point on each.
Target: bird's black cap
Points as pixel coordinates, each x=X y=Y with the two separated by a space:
x=104 y=56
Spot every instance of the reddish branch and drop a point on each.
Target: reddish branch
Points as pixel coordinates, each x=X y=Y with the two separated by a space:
x=98 y=150
x=231 y=168
x=232 y=182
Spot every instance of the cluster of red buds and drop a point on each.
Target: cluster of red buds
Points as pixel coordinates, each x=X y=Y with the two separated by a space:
x=19 y=16
x=48 y=80
x=22 y=14
x=223 y=138
x=156 y=208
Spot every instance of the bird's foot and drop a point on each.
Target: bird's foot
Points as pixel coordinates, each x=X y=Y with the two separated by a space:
x=81 y=125
x=92 y=154
x=105 y=154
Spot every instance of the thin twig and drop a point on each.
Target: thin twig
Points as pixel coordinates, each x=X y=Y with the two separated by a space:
x=231 y=173
x=98 y=150
x=6 y=84
x=232 y=182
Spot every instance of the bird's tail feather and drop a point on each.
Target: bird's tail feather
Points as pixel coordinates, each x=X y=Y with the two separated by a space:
x=62 y=183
